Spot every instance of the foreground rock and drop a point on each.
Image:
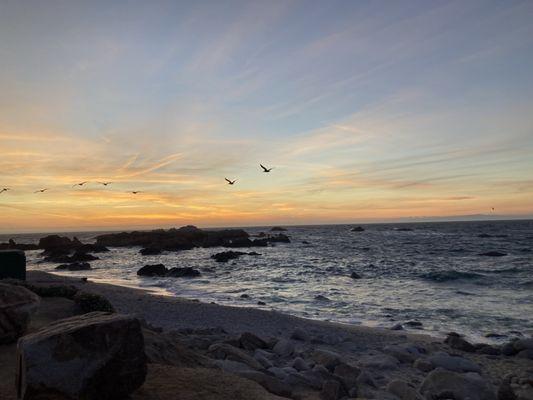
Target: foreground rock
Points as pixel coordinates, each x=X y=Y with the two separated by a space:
x=12 y=264
x=92 y=356
x=17 y=304
x=441 y=384
x=77 y=266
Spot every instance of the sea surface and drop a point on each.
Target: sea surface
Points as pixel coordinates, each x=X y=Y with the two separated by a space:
x=432 y=273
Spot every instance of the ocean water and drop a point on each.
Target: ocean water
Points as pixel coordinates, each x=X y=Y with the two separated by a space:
x=432 y=273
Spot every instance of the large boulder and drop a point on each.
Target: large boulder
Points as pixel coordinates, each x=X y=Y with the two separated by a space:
x=92 y=356
x=442 y=384
x=52 y=242
x=12 y=264
x=17 y=304
x=453 y=363
x=153 y=270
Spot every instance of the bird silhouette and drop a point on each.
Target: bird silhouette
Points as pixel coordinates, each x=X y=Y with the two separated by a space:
x=105 y=183
x=230 y=182
x=492 y=208
x=265 y=169
x=80 y=184
x=41 y=190
x=136 y=192
x=4 y=190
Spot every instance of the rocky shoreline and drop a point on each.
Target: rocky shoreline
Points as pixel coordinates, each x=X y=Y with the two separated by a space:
x=227 y=352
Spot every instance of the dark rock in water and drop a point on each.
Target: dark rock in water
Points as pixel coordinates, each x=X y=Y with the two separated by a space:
x=321 y=298
x=484 y=235
x=17 y=304
x=278 y=229
x=397 y=327
x=357 y=229
x=187 y=272
x=404 y=229
x=260 y=242
x=91 y=248
x=305 y=242
x=93 y=356
x=81 y=257
x=455 y=341
x=77 y=266
x=153 y=270
x=493 y=254
x=245 y=296
x=261 y=303
x=355 y=275
x=12 y=264
x=12 y=245
x=495 y=335
x=51 y=242
x=414 y=324
x=279 y=238
x=231 y=255
x=150 y=251
x=61 y=256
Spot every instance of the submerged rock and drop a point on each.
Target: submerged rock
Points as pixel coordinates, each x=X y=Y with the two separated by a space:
x=186 y=272
x=93 y=356
x=150 y=251
x=77 y=266
x=153 y=270
x=17 y=304
x=355 y=275
x=357 y=229
x=225 y=256
x=493 y=254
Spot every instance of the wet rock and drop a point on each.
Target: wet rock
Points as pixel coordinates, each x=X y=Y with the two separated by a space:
x=17 y=305
x=423 y=365
x=224 y=351
x=414 y=324
x=442 y=384
x=397 y=327
x=380 y=362
x=403 y=390
x=279 y=238
x=299 y=364
x=261 y=303
x=328 y=359
x=77 y=266
x=270 y=383
x=455 y=341
x=263 y=359
x=405 y=353
x=357 y=229
x=321 y=298
x=245 y=296
x=249 y=341
x=92 y=356
x=493 y=254
x=355 y=275
x=153 y=270
x=331 y=390
x=151 y=251
x=283 y=347
x=278 y=229
x=300 y=334
x=52 y=242
x=483 y=348
x=186 y=272
x=453 y=363
x=516 y=387
x=523 y=344
x=527 y=354
x=348 y=374
x=508 y=349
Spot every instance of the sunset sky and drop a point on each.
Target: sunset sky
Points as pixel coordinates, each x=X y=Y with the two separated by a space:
x=367 y=110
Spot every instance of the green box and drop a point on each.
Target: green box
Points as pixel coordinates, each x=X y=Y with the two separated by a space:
x=12 y=264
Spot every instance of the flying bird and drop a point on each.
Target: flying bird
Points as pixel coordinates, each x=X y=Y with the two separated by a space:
x=136 y=192
x=230 y=182
x=265 y=169
x=4 y=190
x=105 y=183
x=492 y=208
x=80 y=184
x=41 y=190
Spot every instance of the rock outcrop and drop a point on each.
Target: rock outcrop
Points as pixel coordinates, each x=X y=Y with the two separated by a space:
x=17 y=304
x=12 y=264
x=441 y=384
x=92 y=356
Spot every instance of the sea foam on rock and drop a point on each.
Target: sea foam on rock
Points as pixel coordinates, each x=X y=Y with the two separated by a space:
x=95 y=356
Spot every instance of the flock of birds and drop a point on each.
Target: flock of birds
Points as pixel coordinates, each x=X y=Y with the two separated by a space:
x=80 y=184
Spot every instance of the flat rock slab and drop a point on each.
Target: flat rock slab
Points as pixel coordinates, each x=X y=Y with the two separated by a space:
x=91 y=356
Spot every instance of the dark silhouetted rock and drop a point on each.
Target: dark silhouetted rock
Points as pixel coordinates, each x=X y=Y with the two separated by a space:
x=52 y=242
x=77 y=266
x=227 y=255
x=493 y=254
x=455 y=341
x=12 y=245
x=279 y=238
x=249 y=341
x=95 y=356
x=278 y=229
x=186 y=272
x=441 y=384
x=12 y=264
x=17 y=304
x=153 y=270
x=150 y=251
x=404 y=229
x=357 y=229
x=91 y=248
x=355 y=275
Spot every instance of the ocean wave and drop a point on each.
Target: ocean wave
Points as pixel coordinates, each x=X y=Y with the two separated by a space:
x=451 y=275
